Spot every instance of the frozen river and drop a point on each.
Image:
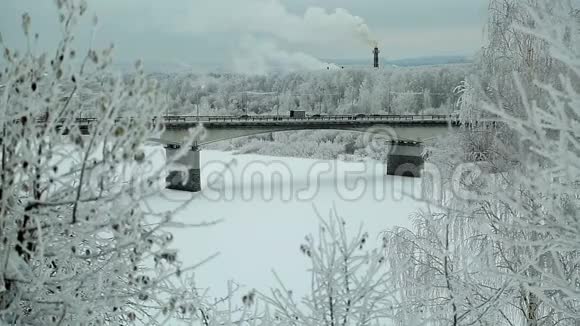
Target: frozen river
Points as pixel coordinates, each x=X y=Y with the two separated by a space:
x=268 y=204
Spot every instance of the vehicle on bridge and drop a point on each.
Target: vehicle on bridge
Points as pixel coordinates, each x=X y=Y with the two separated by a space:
x=297 y=114
x=318 y=116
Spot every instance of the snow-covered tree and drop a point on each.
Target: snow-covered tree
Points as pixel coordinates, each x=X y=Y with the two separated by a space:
x=438 y=284
x=287 y=103
x=405 y=103
x=79 y=243
x=517 y=207
x=427 y=102
x=366 y=97
x=350 y=284
x=542 y=198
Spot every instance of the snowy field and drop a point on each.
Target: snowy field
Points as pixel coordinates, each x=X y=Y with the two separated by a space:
x=264 y=220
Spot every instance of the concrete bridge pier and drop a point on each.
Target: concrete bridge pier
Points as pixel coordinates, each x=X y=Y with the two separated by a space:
x=405 y=160
x=179 y=180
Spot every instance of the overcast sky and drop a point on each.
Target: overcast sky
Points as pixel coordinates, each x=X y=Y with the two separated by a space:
x=293 y=32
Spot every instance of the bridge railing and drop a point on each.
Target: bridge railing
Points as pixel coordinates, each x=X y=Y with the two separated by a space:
x=274 y=118
x=361 y=117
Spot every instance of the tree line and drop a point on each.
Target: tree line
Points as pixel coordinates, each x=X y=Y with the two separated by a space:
x=345 y=91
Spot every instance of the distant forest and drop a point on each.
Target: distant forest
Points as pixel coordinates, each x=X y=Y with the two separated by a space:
x=392 y=90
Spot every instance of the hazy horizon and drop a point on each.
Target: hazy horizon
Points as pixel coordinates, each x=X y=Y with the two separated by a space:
x=256 y=35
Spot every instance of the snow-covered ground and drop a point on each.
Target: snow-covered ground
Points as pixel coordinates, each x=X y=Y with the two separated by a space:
x=265 y=220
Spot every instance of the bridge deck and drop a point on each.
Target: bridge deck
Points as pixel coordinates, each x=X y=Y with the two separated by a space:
x=358 y=117
x=405 y=128
x=178 y=122
x=175 y=119
x=413 y=129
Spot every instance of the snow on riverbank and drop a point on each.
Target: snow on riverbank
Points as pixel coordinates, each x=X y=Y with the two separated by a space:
x=268 y=204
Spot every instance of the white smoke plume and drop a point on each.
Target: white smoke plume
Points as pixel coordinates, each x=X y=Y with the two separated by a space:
x=263 y=57
x=316 y=31
x=272 y=23
x=271 y=17
x=338 y=23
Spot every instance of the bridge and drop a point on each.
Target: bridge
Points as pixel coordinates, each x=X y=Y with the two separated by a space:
x=403 y=128
x=407 y=132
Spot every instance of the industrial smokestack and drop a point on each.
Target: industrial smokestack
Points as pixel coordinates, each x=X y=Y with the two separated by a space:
x=376 y=53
